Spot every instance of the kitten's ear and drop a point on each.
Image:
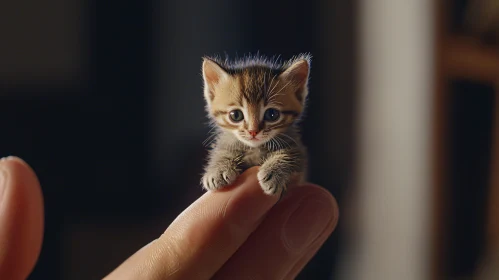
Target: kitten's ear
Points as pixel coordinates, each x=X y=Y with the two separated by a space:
x=297 y=73
x=212 y=75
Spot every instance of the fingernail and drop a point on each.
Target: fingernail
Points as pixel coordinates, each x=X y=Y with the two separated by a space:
x=3 y=176
x=9 y=158
x=307 y=222
x=3 y=182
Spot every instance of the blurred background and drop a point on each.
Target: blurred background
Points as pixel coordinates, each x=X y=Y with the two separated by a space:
x=104 y=100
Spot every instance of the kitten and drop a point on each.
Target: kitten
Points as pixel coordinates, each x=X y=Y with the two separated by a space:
x=254 y=105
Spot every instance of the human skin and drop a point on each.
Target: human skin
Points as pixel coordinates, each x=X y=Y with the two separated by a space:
x=238 y=231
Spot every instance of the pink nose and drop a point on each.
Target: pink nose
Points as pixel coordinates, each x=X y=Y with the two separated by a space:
x=253 y=132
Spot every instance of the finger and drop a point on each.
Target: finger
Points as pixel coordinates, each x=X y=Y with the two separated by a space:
x=300 y=264
x=21 y=219
x=287 y=237
x=305 y=259
x=204 y=236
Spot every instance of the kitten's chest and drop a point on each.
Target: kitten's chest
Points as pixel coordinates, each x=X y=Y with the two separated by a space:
x=254 y=156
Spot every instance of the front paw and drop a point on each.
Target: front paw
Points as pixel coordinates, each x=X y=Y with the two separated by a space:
x=217 y=179
x=271 y=180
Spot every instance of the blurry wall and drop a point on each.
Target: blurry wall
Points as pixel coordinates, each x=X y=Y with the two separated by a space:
x=104 y=100
x=390 y=202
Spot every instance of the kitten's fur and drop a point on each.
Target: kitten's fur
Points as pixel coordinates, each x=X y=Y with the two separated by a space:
x=254 y=85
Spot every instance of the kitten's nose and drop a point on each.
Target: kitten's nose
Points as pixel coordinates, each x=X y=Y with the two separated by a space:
x=253 y=132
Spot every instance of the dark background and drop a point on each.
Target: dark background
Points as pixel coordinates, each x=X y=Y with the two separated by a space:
x=469 y=155
x=103 y=99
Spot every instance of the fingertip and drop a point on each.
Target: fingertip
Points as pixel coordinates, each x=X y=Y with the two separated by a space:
x=297 y=226
x=22 y=179
x=17 y=166
x=12 y=159
x=310 y=189
x=21 y=219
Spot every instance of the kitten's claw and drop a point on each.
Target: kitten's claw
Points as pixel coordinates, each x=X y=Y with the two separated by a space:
x=230 y=176
x=270 y=183
x=216 y=179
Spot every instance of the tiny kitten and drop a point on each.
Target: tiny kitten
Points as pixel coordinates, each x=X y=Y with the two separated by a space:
x=254 y=105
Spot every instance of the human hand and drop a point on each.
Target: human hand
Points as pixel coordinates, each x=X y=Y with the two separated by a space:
x=236 y=232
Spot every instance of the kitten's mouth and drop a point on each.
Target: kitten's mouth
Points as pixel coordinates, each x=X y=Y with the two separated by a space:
x=254 y=140
x=251 y=138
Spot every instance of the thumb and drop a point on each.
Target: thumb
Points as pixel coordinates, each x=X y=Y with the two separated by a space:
x=21 y=219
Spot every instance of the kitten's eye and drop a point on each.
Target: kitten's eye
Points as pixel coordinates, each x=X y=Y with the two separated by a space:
x=271 y=115
x=236 y=115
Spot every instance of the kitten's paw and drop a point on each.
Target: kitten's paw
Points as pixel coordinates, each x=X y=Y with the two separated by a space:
x=271 y=181
x=217 y=179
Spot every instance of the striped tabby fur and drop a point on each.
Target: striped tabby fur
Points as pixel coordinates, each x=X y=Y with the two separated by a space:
x=254 y=105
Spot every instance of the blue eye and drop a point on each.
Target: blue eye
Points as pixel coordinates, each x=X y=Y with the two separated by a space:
x=236 y=115
x=271 y=115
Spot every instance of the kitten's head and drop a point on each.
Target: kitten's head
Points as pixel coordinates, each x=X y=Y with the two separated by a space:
x=254 y=98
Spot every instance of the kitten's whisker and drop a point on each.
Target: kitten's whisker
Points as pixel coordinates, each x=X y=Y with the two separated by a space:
x=290 y=138
x=267 y=85
x=289 y=145
x=267 y=144
x=207 y=139
x=213 y=127
x=272 y=102
x=271 y=81
x=264 y=85
x=211 y=135
x=207 y=144
x=284 y=87
x=210 y=139
x=282 y=142
x=274 y=96
x=272 y=89
x=277 y=145
x=277 y=59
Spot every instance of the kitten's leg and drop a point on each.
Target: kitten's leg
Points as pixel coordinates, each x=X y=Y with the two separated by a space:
x=280 y=169
x=223 y=168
